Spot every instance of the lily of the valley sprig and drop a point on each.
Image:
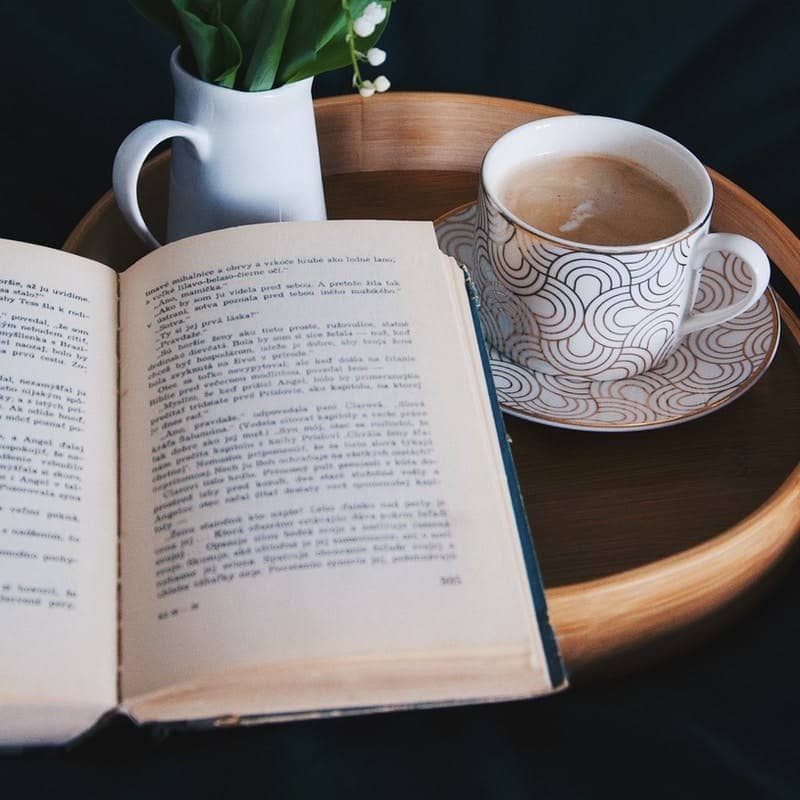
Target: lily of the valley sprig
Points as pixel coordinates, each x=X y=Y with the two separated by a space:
x=256 y=45
x=363 y=27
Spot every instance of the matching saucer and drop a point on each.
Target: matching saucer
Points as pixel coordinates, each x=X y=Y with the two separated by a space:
x=710 y=369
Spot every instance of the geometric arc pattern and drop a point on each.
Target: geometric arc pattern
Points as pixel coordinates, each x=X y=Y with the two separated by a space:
x=595 y=315
x=709 y=368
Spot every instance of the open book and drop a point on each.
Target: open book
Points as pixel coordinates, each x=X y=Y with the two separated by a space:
x=261 y=474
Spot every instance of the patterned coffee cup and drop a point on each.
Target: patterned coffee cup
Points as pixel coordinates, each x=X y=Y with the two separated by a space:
x=591 y=311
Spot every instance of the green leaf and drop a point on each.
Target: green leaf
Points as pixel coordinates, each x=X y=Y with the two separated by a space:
x=216 y=49
x=245 y=19
x=331 y=49
x=269 y=46
x=259 y=44
x=301 y=39
x=333 y=23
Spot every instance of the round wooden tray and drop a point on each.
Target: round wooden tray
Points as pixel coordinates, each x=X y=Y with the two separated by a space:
x=647 y=541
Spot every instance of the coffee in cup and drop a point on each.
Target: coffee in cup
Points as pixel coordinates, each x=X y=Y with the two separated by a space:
x=594 y=199
x=590 y=239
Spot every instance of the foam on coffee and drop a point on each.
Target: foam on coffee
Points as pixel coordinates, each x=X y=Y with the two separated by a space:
x=594 y=200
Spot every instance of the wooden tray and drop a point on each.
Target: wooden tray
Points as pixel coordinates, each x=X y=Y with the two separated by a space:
x=647 y=541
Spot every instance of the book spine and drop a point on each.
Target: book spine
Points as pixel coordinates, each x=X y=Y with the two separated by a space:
x=555 y=665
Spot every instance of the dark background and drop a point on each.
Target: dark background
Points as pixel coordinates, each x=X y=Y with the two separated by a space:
x=723 y=78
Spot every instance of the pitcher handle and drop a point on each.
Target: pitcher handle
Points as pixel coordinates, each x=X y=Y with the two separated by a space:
x=130 y=158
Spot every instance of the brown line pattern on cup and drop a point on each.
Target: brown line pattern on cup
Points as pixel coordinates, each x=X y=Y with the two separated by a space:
x=558 y=310
x=601 y=317
x=599 y=360
x=658 y=324
x=684 y=392
x=643 y=265
x=513 y=383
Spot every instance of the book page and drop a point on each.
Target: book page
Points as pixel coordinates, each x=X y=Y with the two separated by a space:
x=58 y=487
x=309 y=466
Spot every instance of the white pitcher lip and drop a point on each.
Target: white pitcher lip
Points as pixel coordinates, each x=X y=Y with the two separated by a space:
x=697 y=223
x=180 y=73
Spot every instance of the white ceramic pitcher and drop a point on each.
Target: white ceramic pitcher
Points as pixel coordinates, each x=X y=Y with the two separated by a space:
x=238 y=157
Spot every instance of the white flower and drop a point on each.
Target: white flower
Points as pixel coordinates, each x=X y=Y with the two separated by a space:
x=376 y=56
x=375 y=12
x=381 y=83
x=364 y=27
x=367 y=89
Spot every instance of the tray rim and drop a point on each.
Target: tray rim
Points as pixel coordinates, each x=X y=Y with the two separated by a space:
x=624 y=614
x=687 y=572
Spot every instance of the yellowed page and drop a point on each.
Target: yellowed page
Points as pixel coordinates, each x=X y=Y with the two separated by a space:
x=309 y=467
x=58 y=492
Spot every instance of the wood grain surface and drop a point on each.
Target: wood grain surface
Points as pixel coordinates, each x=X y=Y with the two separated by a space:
x=648 y=542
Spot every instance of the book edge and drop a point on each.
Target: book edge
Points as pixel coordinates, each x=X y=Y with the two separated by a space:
x=555 y=664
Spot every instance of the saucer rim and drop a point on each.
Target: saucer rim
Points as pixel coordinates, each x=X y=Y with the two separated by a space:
x=628 y=427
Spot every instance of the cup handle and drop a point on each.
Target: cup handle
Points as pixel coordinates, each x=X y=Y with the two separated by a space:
x=130 y=158
x=755 y=259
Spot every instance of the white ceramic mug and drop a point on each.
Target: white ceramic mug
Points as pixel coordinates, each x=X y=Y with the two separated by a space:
x=238 y=157
x=598 y=312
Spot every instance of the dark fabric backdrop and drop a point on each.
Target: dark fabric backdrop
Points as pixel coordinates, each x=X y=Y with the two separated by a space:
x=723 y=720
